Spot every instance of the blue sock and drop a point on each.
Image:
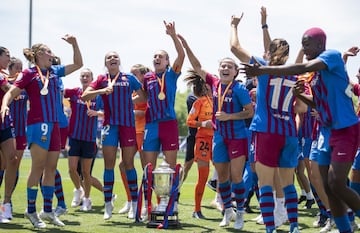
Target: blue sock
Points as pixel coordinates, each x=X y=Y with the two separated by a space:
x=343 y=223
x=291 y=205
x=108 y=184
x=31 y=199
x=132 y=181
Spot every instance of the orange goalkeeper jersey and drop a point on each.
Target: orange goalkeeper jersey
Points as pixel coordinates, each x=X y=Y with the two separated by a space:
x=202 y=110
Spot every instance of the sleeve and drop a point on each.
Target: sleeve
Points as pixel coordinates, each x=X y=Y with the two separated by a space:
x=193 y=114
x=23 y=79
x=96 y=84
x=332 y=59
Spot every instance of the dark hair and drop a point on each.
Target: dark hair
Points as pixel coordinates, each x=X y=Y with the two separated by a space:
x=198 y=84
x=3 y=50
x=279 y=52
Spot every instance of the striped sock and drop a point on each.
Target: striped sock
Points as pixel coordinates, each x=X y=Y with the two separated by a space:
x=291 y=205
x=225 y=193
x=318 y=201
x=267 y=206
x=132 y=182
x=31 y=199
x=108 y=184
x=239 y=191
x=48 y=193
x=203 y=174
x=59 y=193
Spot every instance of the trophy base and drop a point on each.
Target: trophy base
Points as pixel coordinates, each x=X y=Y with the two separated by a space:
x=157 y=218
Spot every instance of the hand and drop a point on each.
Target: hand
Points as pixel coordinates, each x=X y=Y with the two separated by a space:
x=170 y=28
x=235 y=20
x=299 y=87
x=208 y=124
x=353 y=51
x=70 y=39
x=222 y=116
x=107 y=90
x=263 y=15
x=251 y=70
x=92 y=113
x=4 y=111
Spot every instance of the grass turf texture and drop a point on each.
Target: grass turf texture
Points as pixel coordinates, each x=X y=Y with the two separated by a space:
x=92 y=221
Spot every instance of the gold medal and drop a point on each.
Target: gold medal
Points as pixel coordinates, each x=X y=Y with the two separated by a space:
x=161 y=95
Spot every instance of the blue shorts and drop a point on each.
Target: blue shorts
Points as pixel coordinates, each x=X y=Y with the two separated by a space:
x=7 y=133
x=356 y=163
x=225 y=149
x=82 y=149
x=46 y=135
x=304 y=148
x=162 y=135
x=111 y=135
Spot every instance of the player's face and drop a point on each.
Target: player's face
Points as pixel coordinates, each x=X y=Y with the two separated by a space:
x=112 y=60
x=160 y=61
x=227 y=71
x=86 y=78
x=45 y=56
x=4 y=59
x=16 y=68
x=312 y=48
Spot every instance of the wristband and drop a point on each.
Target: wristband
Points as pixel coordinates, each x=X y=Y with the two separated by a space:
x=203 y=124
x=265 y=26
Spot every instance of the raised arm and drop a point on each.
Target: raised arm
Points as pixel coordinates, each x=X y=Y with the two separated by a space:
x=195 y=63
x=77 y=58
x=264 y=26
x=179 y=61
x=351 y=52
x=242 y=54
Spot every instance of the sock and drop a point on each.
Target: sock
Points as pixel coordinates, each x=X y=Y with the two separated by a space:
x=203 y=173
x=59 y=193
x=309 y=196
x=318 y=201
x=225 y=193
x=303 y=193
x=239 y=191
x=132 y=184
x=48 y=193
x=343 y=224
x=267 y=206
x=31 y=199
x=291 y=205
x=126 y=185
x=108 y=184
x=351 y=215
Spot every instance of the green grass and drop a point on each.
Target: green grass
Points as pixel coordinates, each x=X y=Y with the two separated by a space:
x=92 y=221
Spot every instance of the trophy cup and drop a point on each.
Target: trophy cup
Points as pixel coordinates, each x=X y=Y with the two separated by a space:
x=162 y=186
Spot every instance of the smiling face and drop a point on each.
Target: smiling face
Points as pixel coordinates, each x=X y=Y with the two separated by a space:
x=112 y=61
x=160 y=61
x=312 y=48
x=228 y=70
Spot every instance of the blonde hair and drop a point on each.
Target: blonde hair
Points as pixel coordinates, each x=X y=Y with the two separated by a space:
x=30 y=53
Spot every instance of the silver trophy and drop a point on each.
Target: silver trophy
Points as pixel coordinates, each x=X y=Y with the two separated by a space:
x=162 y=184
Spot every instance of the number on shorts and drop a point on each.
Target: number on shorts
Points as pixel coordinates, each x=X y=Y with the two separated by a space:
x=44 y=129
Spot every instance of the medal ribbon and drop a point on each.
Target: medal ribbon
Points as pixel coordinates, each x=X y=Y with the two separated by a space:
x=221 y=100
x=112 y=82
x=161 y=82
x=41 y=75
